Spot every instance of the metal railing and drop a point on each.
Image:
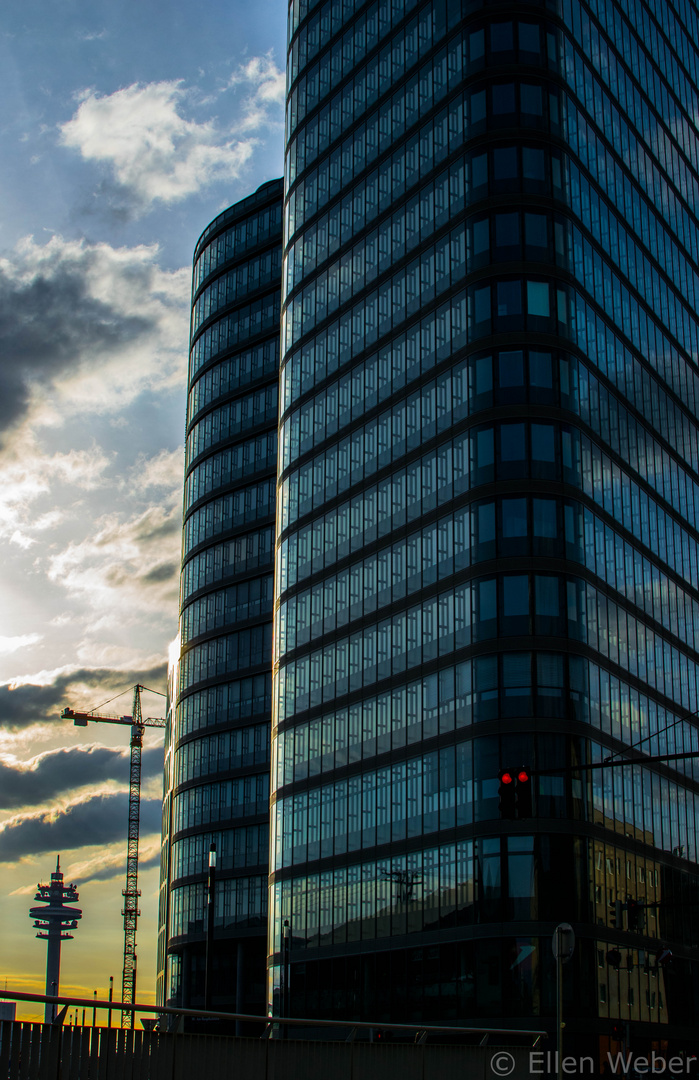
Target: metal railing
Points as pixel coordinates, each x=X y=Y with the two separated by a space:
x=272 y=1021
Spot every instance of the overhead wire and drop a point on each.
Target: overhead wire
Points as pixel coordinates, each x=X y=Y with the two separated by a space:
x=109 y=700
x=129 y=690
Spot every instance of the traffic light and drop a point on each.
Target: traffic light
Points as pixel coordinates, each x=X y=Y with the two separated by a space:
x=664 y=958
x=524 y=793
x=615 y=918
x=508 y=794
x=636 y=915
x=614 y=959
x=515 y=793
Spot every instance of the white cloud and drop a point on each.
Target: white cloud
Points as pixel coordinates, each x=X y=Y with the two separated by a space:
x=30 y=474
x=21 y=540
x=130 y=561
x=264 y=106
x=93 y=35
x=40 y=678
x=125 y=567
x=165 y=470
x=20 y=641
x=153 y=150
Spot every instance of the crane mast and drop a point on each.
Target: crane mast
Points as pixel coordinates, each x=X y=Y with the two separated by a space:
x=131 y=893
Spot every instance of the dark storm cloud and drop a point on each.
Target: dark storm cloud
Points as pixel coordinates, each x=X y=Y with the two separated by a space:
x=107 y=201
x=30 y=704
x=47 y=324
x=160 y=573
x=155 y=526
x=100 y=819
x=60 y=771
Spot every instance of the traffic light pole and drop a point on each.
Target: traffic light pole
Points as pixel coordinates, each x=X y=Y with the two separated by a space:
x=559 y=1007
x=211 y=897
x=642 y=759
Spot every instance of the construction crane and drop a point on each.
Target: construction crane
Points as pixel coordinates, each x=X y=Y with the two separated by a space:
x=131 y=893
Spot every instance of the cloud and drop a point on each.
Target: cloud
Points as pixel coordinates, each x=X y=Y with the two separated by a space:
x=126 y=567
x=153 y=151
x=165 y=471
x=105 y=865
x=39 y=698
x=112 y=863
x=50 y=317
x=31 y=704
x=99 y=819
x=43 y=778
x=86 y=327
x=30 y=474
x=264 y=105
x=21 y=641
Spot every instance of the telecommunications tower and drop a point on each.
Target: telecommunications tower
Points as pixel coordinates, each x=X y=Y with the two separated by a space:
x=53 y=923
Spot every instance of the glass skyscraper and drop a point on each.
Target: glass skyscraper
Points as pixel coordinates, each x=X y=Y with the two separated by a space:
x=217 y=759
x=488 y=514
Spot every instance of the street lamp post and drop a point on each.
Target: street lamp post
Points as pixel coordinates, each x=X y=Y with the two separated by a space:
x=111 y=996
x=210 y=926
x=563 y=946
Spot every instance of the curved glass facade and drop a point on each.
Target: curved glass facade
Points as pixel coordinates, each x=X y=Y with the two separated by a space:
x=488 y=514
x=218 y=758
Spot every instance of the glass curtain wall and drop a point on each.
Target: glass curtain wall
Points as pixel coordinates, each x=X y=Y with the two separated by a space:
x=488 y=512
x=218 y=760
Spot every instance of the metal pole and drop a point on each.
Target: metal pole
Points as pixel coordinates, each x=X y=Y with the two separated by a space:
x=239 y=983
x=94 y=1011
x=111 y=996
x=267 y=1021
x=286 y=995
x=210 y=926
x=559 y=1005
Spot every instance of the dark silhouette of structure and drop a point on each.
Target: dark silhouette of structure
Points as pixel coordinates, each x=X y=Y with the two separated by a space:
x=54 y=923
x=218 y=739
x=488 y=514
x=138 y=723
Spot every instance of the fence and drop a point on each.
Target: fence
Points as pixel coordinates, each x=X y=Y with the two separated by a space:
x=52 y=1052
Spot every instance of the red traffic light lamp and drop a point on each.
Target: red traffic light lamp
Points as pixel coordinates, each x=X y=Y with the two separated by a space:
x=524 y=793
x=508 y=794
x=515 y=793
x=636 y=914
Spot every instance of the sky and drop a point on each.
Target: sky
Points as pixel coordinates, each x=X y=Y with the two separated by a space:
x=125 y=127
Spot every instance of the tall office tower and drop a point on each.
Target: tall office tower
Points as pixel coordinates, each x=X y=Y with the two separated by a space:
x=217 y=787
x=488 y=515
